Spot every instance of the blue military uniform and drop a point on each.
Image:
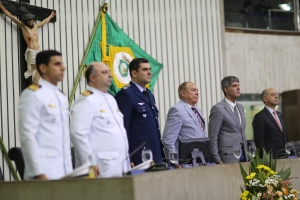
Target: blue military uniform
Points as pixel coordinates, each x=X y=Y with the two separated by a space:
x=140 y=121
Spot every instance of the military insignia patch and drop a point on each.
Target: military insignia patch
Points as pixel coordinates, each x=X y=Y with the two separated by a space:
x=34 y=87
x=86 y=93
x=102 y=111
x=126 y=87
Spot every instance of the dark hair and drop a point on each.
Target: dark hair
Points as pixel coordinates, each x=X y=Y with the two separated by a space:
x=43 y=57
x=90 y=70
x=226 y=82
x=247 y=3
x=28 y=17
x=135 y=64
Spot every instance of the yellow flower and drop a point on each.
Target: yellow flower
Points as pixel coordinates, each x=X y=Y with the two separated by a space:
x=267 y=168
x=251 y=176
x=244 y=194
x=279 y=193
x=280 y=198
x=260 y=166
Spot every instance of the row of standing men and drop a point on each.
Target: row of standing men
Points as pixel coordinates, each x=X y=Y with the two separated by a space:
x=105 y=129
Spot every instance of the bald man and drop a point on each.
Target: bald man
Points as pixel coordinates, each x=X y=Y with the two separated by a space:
x=269 y=126
x=97 y=128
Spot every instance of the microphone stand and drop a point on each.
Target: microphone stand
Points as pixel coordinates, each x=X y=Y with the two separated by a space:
x=132 y=153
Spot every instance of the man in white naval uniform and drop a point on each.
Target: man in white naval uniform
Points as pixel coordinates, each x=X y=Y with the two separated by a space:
x=44 y=122
x=97 y=129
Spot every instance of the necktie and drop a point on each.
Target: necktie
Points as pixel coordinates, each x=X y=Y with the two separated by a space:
x=146 y=95
x=236 y=114
x=198 y=117
x=277 y=120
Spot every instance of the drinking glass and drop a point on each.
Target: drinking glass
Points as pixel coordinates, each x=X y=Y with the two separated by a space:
x=237 y=151
x=252 y=150
x=288 y=148
x=173 y=155
x=147 y=155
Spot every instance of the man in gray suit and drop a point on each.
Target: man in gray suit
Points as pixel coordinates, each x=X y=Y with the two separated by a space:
x=227 y=123
x=184 y=120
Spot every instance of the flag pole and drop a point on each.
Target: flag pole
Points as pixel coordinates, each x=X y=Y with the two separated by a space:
x=82 y=66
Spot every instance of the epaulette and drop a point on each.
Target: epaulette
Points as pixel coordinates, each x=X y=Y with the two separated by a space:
x=126 y=87
x=34 y=87
x=86 y=93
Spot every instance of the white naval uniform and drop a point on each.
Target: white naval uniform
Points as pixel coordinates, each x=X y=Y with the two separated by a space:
x=97 y=131
x=44 y=132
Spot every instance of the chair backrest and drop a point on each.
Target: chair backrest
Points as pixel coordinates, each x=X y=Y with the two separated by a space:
x=16 y=155
x=1 y=175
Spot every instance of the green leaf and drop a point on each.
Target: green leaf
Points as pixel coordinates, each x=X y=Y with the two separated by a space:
x=285 y=174
x=244 y=174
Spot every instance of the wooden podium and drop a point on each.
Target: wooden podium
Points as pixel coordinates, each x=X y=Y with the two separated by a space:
x=291 y=113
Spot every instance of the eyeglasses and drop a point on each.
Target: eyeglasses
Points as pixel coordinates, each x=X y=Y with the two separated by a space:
x=274 y=94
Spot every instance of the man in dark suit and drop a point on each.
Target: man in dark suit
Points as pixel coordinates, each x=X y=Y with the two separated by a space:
x=138 y=106
x=268 y=125
x=227 y=124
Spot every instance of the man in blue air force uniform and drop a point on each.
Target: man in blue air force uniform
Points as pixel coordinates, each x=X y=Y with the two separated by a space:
x=44 y=122
x=140 y=112
x=97 y=129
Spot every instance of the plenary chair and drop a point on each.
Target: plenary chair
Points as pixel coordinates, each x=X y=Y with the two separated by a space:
x=16 y=155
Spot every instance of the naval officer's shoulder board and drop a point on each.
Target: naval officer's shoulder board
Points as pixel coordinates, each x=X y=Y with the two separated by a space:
x=34 y=87
x=87 y=93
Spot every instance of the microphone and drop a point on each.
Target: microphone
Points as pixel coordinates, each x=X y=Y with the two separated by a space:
x=139 y=148
x=279 y=153
x=132 y=153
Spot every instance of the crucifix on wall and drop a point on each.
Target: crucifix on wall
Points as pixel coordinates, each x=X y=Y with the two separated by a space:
x=29 y=45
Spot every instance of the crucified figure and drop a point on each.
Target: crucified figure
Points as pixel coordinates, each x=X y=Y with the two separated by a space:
x=30 y=33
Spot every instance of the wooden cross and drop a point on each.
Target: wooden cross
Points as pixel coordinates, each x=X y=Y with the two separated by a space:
x=19 y=9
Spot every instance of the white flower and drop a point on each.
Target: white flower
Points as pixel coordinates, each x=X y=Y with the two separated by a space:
x=259 y=194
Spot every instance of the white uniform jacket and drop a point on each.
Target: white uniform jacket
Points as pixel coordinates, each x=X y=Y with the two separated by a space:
x=98 y=133
x=44 y=131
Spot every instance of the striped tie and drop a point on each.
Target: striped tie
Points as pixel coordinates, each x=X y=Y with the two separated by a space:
x=198 y=117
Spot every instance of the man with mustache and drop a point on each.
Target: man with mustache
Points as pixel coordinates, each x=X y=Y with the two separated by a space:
x=30 y=33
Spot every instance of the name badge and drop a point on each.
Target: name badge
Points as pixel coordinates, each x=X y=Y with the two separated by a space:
x=102 y=111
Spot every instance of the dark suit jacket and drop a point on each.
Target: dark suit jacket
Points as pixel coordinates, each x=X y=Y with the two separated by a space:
x=140 y=121
x=267 y=133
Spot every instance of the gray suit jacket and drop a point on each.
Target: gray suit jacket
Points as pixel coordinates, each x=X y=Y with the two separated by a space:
x=182 y=123
x=225 y=132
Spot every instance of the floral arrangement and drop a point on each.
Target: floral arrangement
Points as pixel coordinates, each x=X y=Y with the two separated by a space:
x=264 y=183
